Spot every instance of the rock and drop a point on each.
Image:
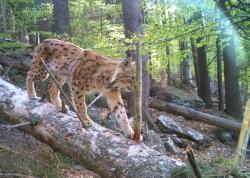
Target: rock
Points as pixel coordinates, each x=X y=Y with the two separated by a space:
x=177 y=96
x=170 y=146
x=155 y=142
x=102 y=102
x=224 y=136
x=166 y=124
x=111 y=123
x=95 y=115
x=179 y=142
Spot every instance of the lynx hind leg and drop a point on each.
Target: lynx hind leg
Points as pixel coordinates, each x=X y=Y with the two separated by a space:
x=119 y=112
x=37 y=72
x=54 y=94
x=79 y=103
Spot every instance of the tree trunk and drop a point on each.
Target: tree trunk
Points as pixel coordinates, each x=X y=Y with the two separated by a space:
x=186 y=76
x=138 y=94
x=205 y=92
x=231 y=78
x=43 y=25
x=196 y=67
x=193 y=114
x=133 y=19
x=219 y=75
x=98 y=149
x=168 y=66
x=61 y=17
x=3 y=16
x=232 y=92
x=243 y=140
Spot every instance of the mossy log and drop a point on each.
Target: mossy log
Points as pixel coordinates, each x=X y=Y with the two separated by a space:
x=99 y=149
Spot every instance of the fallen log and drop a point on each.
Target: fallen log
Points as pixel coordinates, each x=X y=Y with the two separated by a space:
x=99 y=149
x=197 y=115
x=17 y=63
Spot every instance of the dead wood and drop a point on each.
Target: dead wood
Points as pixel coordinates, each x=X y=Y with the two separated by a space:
x=16 y=63
x=99 y=149
x=196 y=115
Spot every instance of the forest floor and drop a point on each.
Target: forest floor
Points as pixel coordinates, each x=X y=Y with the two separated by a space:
x=217 y=153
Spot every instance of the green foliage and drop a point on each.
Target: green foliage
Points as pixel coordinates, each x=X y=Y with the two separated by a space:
x=215 y=168
x=23 y=15
x=98 y=25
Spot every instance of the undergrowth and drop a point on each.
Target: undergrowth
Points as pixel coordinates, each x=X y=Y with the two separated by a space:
x=216 y=168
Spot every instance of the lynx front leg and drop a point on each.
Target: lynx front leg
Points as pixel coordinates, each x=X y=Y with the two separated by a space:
x=37 y=72
x=118 y=110
x=54 y=93
x=79 y=102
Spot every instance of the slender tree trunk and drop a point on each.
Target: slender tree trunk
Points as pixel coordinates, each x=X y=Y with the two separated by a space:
x=168 y=66
x=3 y=15
x=196 y=67
x=138 y=94
x=163 y=78
x=61 y=17
x=246 y=87
x=219 y=75
x=185 y=66
x=133 y=19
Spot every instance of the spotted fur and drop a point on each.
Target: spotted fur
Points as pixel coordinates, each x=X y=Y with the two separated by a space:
x=85 y=71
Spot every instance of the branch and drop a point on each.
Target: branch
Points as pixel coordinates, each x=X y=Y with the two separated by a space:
x=9 y=127
x=193 y=162
x=61 y=90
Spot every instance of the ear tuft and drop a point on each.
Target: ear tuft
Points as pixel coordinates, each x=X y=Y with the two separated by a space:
x=127 y=61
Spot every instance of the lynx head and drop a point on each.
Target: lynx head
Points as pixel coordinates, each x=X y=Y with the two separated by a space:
x=124 y=76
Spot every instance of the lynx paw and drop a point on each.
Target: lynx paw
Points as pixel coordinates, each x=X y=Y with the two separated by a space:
x=63 y=109
x=87 y=122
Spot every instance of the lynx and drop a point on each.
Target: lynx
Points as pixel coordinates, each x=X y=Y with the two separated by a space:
x=85 y=71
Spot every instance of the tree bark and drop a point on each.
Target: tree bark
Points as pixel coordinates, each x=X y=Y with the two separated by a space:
x=3 y=16
x=138 y=94
x=61 y=16
x=231 y=75
x=204 y=90
x=232 y=92
x=99 y=149
x=243 y=140
x=43 y=25
x=219 y=75
x=18 y=63
x=168 y=71
x=133 y=19
x=193 y=114
x=196 y=67
x=186 y=76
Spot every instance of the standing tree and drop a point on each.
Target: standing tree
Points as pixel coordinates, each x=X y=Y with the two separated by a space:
x=219 y=74
x=204 y=82
x=43 y=24
x=231 y=75
x=186 y=75
x=3 y=16
x=133 y=20
x=61 y=17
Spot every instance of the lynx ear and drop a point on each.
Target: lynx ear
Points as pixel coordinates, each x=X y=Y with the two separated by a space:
x=127 y=61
